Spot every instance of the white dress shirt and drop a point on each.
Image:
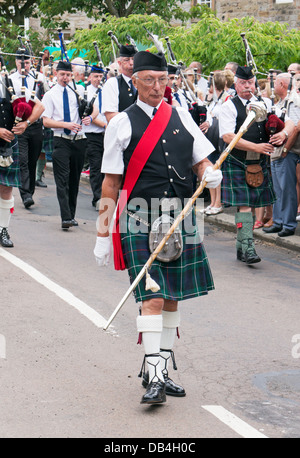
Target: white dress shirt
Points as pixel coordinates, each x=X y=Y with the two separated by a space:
x=54 y=108
x=16 y=79
x=118 y=135
x=110 y=94
x=228 y=114
x=92 y=128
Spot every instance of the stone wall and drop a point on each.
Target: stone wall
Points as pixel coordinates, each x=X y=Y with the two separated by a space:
x=261 y=10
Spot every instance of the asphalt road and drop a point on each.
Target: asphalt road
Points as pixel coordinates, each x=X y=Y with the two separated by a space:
x=62 y=375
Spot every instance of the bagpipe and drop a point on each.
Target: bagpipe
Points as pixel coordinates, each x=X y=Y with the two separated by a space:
x=21 y=108
x=83 y=104
x=274 y=124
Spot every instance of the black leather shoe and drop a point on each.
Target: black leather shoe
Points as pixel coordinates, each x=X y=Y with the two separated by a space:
x=172 y=389
x=5 y=238
x=66 y=224
x=40 y=184
x=28 y=201
x=155 y=394
x=272 y=230
x=74 y=222
x=286 y=232
x=251 y=257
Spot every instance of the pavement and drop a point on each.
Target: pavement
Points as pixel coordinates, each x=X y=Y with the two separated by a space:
x=225 y=220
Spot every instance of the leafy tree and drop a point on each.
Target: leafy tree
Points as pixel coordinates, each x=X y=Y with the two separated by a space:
x=9 y=42
x=51 y=11
x=16 y=10
x=210 y=41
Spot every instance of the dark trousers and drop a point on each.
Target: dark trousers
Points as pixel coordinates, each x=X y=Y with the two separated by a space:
x=67 y=159
x=30 y=146
x=94 y=154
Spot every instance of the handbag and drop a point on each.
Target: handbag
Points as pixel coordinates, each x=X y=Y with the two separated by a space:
x=6 y=156
x=254 y=175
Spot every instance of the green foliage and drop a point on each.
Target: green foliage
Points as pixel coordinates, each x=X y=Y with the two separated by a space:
x=9 y=42
x=210 y=41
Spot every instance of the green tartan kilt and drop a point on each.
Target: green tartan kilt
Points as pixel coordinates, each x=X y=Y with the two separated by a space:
x=236 y=192
x=10 y=176
x=187 y=277
x=47 y=146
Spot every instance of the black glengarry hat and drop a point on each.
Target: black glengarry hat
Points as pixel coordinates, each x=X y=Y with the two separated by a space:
x=96 y=69
x=23 y=52
x=145 y=60
x=172 y=69
x=127 y=51
x=64 y=65
x=244 y=73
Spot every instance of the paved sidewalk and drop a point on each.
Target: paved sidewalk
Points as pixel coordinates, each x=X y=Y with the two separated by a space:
x=226 y=221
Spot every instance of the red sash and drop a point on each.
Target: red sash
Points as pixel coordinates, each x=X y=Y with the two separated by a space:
x=136 y=164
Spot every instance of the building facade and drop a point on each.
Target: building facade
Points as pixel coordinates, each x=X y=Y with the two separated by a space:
x=287 y=11
x=262 y=10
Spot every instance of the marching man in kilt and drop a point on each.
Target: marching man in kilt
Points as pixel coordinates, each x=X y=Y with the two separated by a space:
x=173 y=147
x=246 y=181
x=9 y=159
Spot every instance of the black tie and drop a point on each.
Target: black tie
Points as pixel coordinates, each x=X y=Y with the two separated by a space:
x=154 y=112
x=133 y=89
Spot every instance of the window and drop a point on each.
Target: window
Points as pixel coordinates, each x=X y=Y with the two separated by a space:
x=205 y=2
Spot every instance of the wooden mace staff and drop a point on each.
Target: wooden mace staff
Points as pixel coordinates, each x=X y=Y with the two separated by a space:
x=256 y=112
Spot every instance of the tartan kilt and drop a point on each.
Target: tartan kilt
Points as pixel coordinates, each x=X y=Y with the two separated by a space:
x=236 y=192
x=47 y=146
x=10 y=176
x=187 y=277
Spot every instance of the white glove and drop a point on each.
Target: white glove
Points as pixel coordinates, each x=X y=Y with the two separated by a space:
x=212 y=177
x=102 y=251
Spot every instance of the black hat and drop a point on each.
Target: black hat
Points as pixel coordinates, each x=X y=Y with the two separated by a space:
x=96 y=69
x=145 y=60
x=127 y=51
x=244 y=73
x=64 y=65
x=22 y=52
x=172 y=69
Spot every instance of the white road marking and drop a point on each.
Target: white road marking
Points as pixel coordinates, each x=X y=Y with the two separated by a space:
x=234 y=422
x=62 y=293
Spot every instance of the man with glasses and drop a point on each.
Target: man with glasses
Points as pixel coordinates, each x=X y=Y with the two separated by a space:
x=118 y=92
x=179 y=149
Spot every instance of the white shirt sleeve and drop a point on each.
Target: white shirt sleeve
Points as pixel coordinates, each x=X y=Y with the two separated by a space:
x=116 y=139
x=110 y=95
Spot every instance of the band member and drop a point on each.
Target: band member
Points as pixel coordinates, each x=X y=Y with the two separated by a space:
x=9 y=161
x=30 y=142
x=95 y=133
x=119 y=93
x=242 y=187
x=175 y=84
x=283 y=168
x=165 y=175
x=69 y=142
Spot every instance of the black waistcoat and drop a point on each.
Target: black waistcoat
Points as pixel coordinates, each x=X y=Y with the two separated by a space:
x=6 y=117
x=126 y=97
x=256 y=133
x=170 y=163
